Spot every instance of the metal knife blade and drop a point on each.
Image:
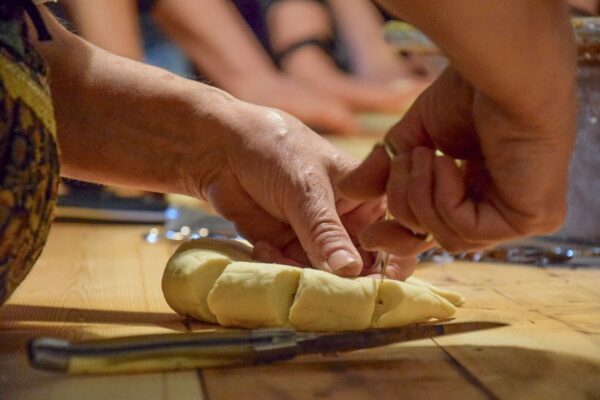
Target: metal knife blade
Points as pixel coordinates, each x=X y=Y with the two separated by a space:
x=347 y=341
x=218 y=348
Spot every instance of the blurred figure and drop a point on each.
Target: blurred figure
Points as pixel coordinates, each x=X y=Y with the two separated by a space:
x=215 y=38
x=370 y=57
x=338 y=48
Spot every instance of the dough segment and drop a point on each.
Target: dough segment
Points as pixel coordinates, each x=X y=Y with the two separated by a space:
x=453 y=297
x=251 y=295
x=326 y=302
x=400 y=303
x=192 y=271
x=217 y=281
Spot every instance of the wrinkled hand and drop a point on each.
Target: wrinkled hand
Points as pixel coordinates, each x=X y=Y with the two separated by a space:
x=277 y=181
x=512 y=180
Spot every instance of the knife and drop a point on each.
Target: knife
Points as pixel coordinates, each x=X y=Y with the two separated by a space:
x=177 y=351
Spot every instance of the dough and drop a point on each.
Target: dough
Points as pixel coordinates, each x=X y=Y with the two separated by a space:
x=192 y=271
x=232 y=249
x=252 y=295
x=400 y=303
x=455 y=298
x=217 y=281
x=326 y=302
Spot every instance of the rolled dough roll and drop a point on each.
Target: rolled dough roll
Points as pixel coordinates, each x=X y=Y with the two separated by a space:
x=191 y=273
x=251 y=295
x=217 y=281
x=400 y=303
x=326 y=302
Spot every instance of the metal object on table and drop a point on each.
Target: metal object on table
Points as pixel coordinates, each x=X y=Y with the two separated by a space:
x=96 y=204
x=383 y=257
x=542 y=252
x=184 y=223
x=406 y=37
x=218 y=348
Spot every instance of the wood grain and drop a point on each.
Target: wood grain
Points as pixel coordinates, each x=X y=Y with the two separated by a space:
x=407 y=373
x=104 y=281
x=91 y=282
x=19 y=382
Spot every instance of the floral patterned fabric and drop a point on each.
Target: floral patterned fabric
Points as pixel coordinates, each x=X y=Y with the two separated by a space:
x=29 y=168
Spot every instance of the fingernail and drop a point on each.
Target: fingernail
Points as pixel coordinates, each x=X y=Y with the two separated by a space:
x=341 y=259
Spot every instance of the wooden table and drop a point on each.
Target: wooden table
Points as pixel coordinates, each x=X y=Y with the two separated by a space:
x=98 y=281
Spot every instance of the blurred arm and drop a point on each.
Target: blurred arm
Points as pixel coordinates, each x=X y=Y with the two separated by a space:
x=110 y=24
x=216 y=38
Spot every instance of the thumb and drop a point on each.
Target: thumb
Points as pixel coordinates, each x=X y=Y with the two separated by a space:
x=321 y=233
x=370 y=178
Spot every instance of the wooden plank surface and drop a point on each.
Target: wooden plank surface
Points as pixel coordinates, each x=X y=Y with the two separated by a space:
x=98 y=281
x=407 y=372
x=19 y=382
x=91 y=282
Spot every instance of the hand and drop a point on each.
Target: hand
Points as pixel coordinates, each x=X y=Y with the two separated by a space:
x=512 y=180
x=277 y=181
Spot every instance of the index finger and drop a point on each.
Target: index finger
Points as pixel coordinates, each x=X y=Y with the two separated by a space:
x=369 y=179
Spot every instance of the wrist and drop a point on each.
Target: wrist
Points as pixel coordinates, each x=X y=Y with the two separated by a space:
x=231 y=130
x=206 y=132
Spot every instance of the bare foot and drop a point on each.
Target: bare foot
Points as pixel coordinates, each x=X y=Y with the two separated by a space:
x=315 y=67
x=318 y=109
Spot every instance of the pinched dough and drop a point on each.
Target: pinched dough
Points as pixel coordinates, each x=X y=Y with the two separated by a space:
x=400 y=303
x=455 y=298
x=325 y=302
x=251 y=295
x=193 y=270
x=217 y=281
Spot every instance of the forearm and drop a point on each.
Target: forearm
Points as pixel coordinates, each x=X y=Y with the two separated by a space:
x=112 y=25
x=121 y=122
x=518 y=53
x=216 y=39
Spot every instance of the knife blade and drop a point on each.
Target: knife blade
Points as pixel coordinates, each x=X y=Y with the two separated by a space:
x=151 y=353
x=348 y=341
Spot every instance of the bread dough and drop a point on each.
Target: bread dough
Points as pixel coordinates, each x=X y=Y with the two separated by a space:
x=455 y=298
x=400 y=303
x=326 y=302
x=191 y=273
x=233 y=249
x=251 y=295
x=217 y=281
